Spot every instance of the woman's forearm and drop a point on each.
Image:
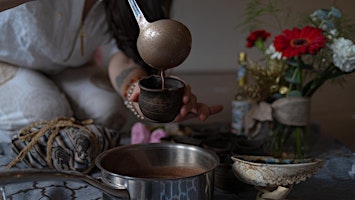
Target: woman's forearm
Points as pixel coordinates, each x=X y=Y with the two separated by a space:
x=123 y=71
x=7 y=4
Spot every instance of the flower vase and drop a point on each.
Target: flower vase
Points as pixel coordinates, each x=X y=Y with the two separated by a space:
x=289 y=127
x=287 y=141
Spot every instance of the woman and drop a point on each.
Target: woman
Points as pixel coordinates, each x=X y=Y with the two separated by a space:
x=46 y=53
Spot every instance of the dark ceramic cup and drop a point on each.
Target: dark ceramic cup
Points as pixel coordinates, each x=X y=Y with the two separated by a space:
x=160 y=105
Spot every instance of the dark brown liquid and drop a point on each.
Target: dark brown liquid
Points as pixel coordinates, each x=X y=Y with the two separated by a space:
x=167 y=172
x=162 y=74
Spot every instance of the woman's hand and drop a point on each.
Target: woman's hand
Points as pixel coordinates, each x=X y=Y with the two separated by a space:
x=193 y=109
x=190 y=108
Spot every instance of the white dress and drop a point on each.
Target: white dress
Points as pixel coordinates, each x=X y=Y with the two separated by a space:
x=43 y=37
x=44 y=34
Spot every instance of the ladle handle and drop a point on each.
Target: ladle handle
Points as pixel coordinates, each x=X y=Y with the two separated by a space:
x=16 y=176
x=138 y=14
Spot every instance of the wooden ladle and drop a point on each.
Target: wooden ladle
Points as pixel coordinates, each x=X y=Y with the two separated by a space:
x=162 y=44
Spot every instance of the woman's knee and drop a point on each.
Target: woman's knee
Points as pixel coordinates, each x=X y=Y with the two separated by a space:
x=30 y=97
x=104 y=108
x=92 y=96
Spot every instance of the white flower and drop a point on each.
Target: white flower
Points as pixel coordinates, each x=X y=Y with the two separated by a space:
x=334 y=32
x=343 y=54
x=273 y=53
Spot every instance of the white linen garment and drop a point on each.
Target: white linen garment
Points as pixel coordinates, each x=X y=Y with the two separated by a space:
x=45 y=34
x=40 y=42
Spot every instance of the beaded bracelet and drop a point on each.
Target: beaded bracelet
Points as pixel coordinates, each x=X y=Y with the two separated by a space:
x=129 y=85
x=129 y=104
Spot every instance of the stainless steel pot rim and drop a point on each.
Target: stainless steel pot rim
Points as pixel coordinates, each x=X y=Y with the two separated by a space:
x=133 y=147
x=151 y=179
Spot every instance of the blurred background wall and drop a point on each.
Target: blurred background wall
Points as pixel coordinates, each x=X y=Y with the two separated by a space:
x=217 y=40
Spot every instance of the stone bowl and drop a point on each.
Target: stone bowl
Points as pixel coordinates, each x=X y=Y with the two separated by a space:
x=157 y=104
x=264 y=171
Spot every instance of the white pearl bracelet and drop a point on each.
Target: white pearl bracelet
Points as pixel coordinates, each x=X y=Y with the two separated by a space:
x=129 y=104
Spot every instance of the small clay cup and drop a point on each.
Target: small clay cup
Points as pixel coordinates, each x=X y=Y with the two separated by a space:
x=160 y=105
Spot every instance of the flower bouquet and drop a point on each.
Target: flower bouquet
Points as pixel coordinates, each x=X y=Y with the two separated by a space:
x=295 y=65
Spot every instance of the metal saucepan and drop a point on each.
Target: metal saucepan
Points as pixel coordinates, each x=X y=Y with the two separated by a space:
x=143 y=171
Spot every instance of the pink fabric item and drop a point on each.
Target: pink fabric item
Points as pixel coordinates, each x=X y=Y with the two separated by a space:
x=139 y=133
x=157 y=135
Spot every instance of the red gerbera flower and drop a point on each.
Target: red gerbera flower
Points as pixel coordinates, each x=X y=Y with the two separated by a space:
x=257 y=35
x=296 y=42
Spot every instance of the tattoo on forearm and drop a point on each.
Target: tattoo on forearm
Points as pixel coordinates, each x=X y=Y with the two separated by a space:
x=122 y=76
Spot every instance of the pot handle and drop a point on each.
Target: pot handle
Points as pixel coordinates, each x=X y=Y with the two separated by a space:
x=15 y=176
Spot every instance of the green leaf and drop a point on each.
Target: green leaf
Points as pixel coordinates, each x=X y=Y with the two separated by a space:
x=292 y=76
x=292 y=62
x=295 y=93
